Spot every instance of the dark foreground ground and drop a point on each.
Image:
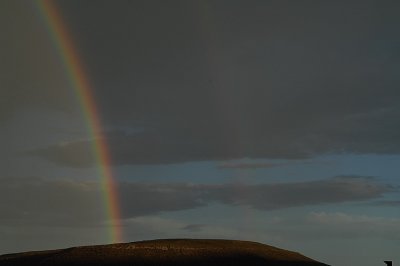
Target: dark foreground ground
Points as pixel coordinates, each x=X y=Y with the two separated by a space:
x=174 y=252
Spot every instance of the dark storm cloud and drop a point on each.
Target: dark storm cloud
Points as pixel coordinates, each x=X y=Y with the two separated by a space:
x=76 y=203
x=217 y=80
x=255 y=165
x=286 y=195
x=244 y=165
x=143 y=199
x=31 y=73
x=373 y=132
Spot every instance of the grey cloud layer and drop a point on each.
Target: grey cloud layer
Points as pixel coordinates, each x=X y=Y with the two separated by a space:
x=217 y=80
x=169 y=197
x=37 y=201
x=72 y=203
x=360 y=133
x=286 y=195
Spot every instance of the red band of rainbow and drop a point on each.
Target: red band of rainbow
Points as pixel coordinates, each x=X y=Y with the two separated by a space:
x=84 y=91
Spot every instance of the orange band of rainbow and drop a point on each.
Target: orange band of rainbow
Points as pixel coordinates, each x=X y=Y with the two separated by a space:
x=84 y=91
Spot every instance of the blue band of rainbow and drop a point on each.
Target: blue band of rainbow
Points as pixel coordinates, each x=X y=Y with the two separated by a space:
x=85 y=94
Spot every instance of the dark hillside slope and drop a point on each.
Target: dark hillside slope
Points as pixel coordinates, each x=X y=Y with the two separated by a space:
x=172 y=252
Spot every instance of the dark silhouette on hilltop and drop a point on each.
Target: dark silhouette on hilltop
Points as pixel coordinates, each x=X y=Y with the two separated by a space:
x=174 y=252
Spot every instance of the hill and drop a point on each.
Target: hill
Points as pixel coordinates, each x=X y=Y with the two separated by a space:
x=177 y=252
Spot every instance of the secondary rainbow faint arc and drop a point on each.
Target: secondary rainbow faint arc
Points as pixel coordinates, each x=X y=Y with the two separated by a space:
x=84 y=91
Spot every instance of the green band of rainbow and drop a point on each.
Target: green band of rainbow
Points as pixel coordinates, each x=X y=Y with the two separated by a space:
x=84 y=91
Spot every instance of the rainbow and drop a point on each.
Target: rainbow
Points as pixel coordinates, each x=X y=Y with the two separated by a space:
x=85 y=94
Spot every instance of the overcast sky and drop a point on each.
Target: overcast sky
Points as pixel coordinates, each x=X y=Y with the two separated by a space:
x=273 y=121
